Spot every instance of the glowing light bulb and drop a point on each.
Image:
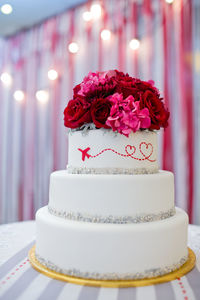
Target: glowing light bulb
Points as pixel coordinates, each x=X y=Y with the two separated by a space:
x=87 y=16
x=95 y=11
x=42 y=96
x=73 y=47
x=52 y=74
x=6 y=79
x=18 y=95
x=169 y=1
x=6 y=9
x=105 y=34
x=134 y=44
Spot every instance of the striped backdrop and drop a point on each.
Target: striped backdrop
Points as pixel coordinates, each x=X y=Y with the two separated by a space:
x=33 y=140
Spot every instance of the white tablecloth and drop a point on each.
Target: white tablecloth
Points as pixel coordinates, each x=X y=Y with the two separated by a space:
x=19 y=281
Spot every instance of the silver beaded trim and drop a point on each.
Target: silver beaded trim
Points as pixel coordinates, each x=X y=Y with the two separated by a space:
x=79 y=170
x=155 y=272
x=77 y=216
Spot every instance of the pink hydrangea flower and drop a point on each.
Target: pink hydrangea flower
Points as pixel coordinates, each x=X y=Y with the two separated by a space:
x=126 y=116
x=96 y=82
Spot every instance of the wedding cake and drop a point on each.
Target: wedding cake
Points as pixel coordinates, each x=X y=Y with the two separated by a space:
x=111 y=214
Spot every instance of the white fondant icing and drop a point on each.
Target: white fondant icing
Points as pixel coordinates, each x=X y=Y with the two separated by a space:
x=111 y=248
x=106 y=149
x=111 y=195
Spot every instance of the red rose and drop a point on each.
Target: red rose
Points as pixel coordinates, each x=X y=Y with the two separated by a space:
x=77 y=113
x=76 y=89
x=143 y=86
x=132 y=86
x=125 y=85
x=158 y=114
x=100 y=111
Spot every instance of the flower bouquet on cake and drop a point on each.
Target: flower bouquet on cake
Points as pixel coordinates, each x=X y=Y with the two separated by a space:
x=114 y=100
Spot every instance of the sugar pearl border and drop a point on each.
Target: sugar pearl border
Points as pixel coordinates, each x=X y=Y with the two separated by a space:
x=77 y=216
x=155 y=272
x=130 y=171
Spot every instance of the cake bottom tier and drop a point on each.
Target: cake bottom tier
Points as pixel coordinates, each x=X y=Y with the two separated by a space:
x=111 y=251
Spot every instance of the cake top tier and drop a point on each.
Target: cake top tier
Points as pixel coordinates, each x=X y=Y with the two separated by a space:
x=117 y=101
x=113 y=118
x=102 y=151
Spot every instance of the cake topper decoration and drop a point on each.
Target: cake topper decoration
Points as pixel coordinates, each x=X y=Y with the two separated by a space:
x=117 y=101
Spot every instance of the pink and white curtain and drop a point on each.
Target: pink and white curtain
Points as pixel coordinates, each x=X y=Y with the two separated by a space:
x=33 y=140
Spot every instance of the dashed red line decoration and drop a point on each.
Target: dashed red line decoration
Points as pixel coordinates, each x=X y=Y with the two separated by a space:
x=130 y=151
x=10 y=276
x=183 y=290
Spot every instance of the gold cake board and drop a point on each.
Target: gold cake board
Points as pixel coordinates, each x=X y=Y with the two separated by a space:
x=186 y=267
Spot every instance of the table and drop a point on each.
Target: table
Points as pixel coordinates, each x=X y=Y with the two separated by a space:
x=19 y=281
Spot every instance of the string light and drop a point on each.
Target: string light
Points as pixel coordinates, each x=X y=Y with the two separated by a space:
x=134 y=44
x=87 y=16
x=6 y=9
x=18 y=95
x=42 y=96
x=169 y=1
x=105 y=34
x=6 y=79
x=95 y=11
x=73 y=47
x=52 y=74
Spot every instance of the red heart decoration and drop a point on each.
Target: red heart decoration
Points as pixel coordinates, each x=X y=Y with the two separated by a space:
x=147 y=149
x=130 y=150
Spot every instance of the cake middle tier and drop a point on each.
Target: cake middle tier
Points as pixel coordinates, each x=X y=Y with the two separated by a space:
x=112 y=198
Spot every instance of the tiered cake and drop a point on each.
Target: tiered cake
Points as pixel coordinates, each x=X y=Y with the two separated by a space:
x=111 y=214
